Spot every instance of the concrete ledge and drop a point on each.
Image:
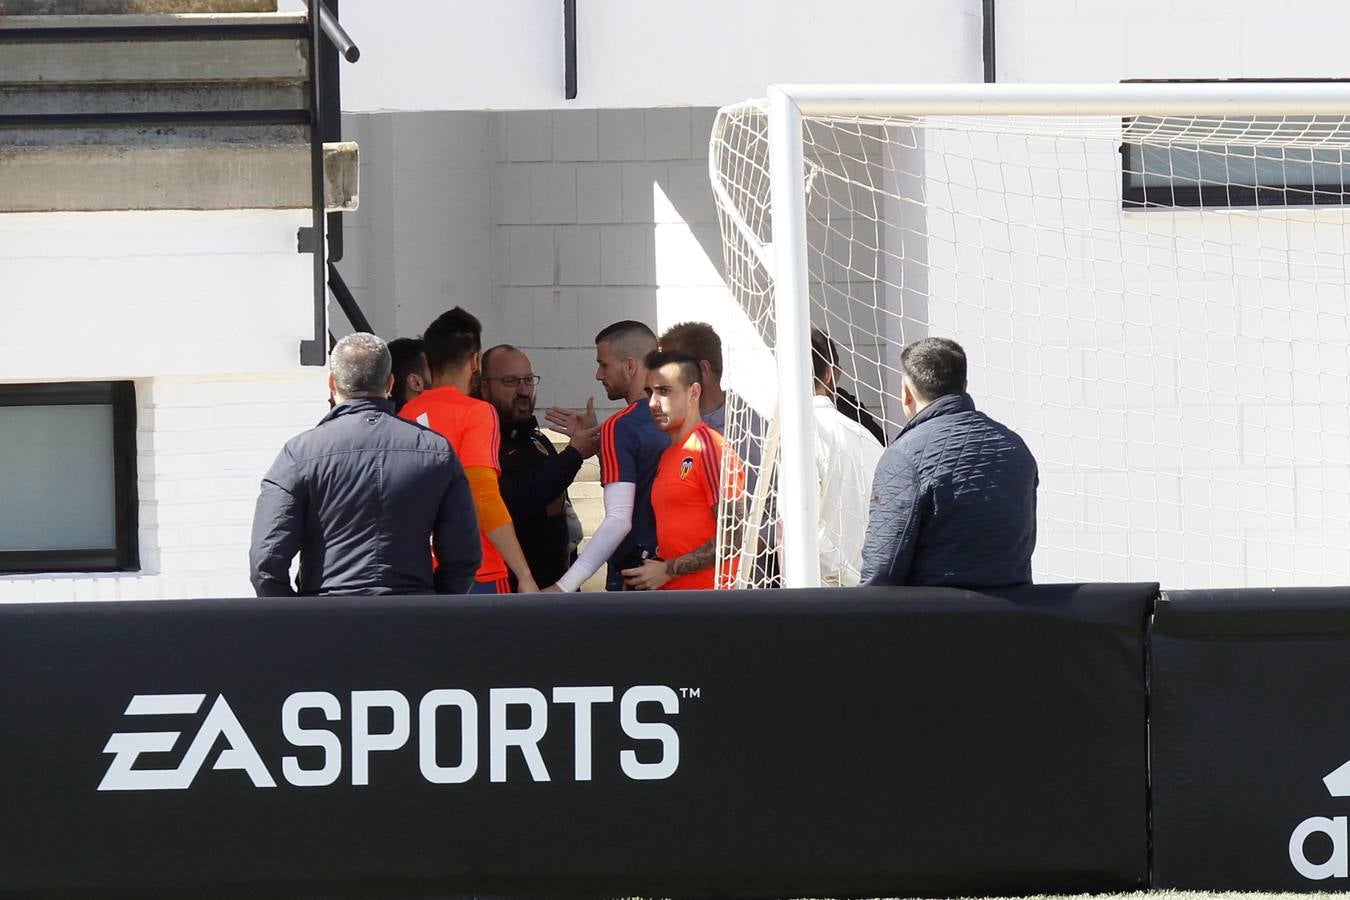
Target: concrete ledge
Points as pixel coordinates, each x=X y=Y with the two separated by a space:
x=84 y=179
x=123 y=98
x=83 y=20
x=153 y=61
x=119 y=7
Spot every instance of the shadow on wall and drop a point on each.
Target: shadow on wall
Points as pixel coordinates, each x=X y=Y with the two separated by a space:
x=547 y=225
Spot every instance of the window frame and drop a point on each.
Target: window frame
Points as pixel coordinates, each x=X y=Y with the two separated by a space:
x=124 y=555
x=1216 y=196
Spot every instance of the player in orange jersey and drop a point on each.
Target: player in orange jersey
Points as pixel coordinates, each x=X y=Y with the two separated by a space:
x=453 y=345
x=688 y=483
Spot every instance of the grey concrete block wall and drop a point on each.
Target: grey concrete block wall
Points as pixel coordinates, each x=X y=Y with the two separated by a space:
x=589 y=255
x=545 y=224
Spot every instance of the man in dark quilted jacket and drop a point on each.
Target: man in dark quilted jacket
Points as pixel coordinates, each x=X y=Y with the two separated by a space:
x=954 y=496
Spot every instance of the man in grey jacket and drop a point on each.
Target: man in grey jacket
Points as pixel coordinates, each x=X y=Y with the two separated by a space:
x=954 y=496
x=364 y=496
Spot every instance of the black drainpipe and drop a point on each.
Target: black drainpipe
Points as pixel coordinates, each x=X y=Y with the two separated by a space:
x=990 y=70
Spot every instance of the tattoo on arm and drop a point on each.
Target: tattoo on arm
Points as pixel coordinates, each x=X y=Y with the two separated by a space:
x=694 y=560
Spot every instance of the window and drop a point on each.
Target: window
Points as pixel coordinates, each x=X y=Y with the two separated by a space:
x=1234 y=161
x=68 y=477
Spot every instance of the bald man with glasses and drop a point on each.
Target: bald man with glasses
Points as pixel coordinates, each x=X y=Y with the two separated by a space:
x=535 y=476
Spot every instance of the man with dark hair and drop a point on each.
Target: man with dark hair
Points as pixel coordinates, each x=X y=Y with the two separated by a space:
x=411 y=376
x=356 y=534
x=535 y=476
x=699 y=340
x=846 y=458
x=630 y=448
x=452 y=345
x=688 y=483
x=954 y=497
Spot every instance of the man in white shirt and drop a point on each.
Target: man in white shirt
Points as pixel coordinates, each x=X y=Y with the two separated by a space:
x=846 y=458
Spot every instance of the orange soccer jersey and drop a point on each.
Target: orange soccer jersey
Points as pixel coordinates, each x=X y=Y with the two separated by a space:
x=470 y=425
x=685 y=492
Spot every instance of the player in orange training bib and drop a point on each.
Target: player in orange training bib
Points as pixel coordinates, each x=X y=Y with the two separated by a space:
x=688 y=483
x=453 y=348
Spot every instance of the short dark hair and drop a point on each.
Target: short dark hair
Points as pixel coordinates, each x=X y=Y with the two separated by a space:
x=452 y=339
x=406 y=354
x=824 y=354
x=690 y=373
x=935 y=366
x=628 y=338
x=698 y=340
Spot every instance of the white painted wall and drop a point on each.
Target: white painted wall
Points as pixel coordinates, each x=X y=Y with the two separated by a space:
x=509 y=55
x=205 y=312
x=1105 y=41
x=133 y=294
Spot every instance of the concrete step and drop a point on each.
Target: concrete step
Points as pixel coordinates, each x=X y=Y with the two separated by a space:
x=47 y=98
x=75 y=61
x=148 y=177
x=124 y=7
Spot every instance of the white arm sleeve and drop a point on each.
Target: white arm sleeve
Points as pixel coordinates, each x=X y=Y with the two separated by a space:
x=618 y=521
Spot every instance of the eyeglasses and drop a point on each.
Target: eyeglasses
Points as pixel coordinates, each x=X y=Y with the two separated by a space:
x=512 y=381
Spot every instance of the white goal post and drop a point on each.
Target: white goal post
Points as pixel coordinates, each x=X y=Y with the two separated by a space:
x=1121 y=337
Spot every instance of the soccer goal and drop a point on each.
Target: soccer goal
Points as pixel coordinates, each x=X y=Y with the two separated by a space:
x=1149 y=280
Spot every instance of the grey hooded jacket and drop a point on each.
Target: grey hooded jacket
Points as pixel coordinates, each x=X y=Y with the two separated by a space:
x=953 y=502
x=358 y=497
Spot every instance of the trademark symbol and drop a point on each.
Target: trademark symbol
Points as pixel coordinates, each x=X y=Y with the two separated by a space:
x=690 y=693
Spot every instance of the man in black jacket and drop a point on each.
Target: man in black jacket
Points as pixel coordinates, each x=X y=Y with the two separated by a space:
x=535 y=476
x=954 y=496
x=359 y=495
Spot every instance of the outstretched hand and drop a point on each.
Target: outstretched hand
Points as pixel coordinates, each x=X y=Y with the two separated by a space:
x=568 y=421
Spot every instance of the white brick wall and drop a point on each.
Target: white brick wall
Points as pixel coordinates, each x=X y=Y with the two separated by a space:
x=203 y=444
x=1181 y=376
x=205 y=311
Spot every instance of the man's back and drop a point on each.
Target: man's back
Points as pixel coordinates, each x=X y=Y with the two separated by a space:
x=471 y=426
x=953 y=502
x=359 y=496
x=846 y=459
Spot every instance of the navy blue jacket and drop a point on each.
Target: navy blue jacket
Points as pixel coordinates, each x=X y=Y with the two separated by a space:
x=358 y=496
x=953 y=502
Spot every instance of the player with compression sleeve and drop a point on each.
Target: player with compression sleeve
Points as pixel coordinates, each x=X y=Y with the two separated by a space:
x=630 y=448
x=689 y=483
x=452 y=344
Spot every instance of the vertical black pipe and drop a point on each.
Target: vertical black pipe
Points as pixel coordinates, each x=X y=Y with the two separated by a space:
x=330 y=62
x=315 y=352
x=990 y=68
x=570 y=48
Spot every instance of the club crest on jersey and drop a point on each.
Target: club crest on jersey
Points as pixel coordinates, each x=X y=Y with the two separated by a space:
x=686 y=466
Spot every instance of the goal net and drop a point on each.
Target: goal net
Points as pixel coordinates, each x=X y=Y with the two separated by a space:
x=1155 y=298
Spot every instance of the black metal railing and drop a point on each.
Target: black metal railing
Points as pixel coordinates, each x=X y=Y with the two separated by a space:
x=326 y=109
x=327 y=43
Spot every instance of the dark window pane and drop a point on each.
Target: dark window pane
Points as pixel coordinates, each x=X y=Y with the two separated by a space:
x=57 y=477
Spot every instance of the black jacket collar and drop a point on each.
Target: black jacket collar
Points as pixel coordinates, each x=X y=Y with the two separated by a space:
x=359 y=405
x=943 y=406
x=526 y=429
